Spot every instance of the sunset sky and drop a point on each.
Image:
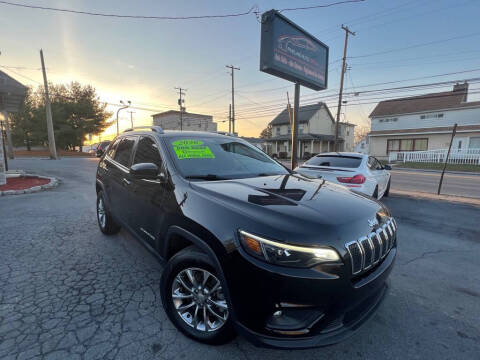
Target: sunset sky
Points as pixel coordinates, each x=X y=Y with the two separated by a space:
x=143 y=60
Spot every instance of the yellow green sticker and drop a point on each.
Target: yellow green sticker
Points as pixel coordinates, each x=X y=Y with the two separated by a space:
x=192 y=149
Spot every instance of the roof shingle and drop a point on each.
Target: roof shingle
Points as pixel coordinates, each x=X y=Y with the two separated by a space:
x=423 y=103
x=305 y=113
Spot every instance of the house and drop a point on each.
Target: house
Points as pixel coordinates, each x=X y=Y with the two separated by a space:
x=170 y=120
x=425 y=123
x=362 y=145
x=316 y=132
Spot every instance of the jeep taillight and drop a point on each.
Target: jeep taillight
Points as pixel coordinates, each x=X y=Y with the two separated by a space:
x=357 y=179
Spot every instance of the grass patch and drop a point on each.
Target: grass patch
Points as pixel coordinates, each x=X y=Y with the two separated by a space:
x=438 y=166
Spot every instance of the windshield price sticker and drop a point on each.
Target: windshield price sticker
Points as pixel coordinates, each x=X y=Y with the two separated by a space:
x=192 y=149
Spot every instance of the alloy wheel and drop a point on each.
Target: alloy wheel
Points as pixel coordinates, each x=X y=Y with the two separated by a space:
x=101 y=213
x=199 y=300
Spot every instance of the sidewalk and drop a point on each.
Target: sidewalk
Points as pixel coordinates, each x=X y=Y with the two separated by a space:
x=430 y=196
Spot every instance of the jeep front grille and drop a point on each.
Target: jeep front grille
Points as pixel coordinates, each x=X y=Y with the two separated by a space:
x=367 y=251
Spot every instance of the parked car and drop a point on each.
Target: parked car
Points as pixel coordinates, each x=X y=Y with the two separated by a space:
x=359 y=172
x=249 y=246
x=93 y=149
x=101 y=148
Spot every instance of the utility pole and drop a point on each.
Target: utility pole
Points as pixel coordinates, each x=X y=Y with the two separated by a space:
x=296 y=104
x=181 y=101
x=232 y=70
x=51 y=134
x=131 y=117
x=230 y=118
x=339 y=107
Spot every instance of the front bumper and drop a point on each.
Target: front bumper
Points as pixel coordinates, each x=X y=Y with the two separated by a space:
x=329 y=303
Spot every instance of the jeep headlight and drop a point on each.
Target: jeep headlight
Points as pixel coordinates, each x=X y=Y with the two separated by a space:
x=285 y=254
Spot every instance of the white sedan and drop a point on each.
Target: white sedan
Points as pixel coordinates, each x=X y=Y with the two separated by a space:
x=359 y=172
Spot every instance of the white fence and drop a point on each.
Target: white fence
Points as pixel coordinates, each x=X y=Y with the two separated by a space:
x=457 y=156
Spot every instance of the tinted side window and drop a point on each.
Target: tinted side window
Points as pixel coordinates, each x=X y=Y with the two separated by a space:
x=124 y=150
x=147 y=152
x=112 y=148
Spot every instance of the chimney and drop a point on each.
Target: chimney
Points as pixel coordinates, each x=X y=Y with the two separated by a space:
x=461 y=89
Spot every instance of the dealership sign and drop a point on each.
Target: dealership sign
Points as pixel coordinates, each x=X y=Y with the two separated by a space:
x=289 y=52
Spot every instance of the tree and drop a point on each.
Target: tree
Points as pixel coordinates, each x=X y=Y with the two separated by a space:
x=267 y=132
x=76 y=112
x=26 y=127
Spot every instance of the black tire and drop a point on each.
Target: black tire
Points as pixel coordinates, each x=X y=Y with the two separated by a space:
x=108 y=226
x=375 y=193
x=188 y=258
x=387 y=192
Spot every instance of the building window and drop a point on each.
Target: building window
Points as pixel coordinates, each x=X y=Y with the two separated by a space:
x=431 y=116
x=289 y=130
x=474 y=143
x=407 y=145
x=388 y=120
x=278 y=130
x=300 y=129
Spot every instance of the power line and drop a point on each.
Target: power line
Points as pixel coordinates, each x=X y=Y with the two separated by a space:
x=279 y=107
x=358 y=88
x=416 y=45
x=321 y=6
x=253 y=10
x=146 y=17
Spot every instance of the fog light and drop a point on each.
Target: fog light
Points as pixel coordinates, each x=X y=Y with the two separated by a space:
x=294 y=320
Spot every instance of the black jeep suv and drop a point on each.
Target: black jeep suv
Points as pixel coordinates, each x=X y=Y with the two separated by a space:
x=249 y=246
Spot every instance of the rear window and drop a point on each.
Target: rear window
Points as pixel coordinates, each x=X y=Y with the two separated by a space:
x=335 y=161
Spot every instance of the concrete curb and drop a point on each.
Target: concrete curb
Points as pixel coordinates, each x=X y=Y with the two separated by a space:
x=430 y=196
x=50 y=185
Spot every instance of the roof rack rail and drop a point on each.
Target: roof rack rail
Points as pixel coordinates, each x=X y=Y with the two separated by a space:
x=155 y=128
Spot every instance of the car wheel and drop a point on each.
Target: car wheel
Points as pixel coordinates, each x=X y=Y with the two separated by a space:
x=105 y=221
x=375 y=192
x=194 y=299
x=387 y=192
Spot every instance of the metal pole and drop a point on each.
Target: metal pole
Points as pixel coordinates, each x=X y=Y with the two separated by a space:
x=51 y=133
x=123 y=107
x=340 y=94
x=181 y=92
x=9 y=135
x=230 y=118
x=233 y=68
x=446 y=159
x=4 y=153
x=295 y=126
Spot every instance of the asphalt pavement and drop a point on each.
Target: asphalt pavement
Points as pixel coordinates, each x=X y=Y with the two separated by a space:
x=467 y=185
x=69 y=292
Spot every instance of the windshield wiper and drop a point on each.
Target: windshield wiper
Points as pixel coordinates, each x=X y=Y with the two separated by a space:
x=204 y=177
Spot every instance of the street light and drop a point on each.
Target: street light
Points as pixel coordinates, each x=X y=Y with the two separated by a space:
x=123 y=107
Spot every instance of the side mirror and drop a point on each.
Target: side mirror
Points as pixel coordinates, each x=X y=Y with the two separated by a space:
x=144 y=171
x=162 y=176
x=387 y=167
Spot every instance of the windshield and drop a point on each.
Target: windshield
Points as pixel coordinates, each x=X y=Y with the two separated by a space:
x=217 y=158
x=335 y=161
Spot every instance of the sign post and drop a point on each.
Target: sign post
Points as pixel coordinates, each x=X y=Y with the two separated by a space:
x=3 y=158
x=289 y=52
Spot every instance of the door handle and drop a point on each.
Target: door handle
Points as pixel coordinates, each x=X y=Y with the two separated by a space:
x=126 y=182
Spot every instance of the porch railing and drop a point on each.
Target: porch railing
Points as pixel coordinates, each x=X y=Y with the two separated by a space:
x=457 y=156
